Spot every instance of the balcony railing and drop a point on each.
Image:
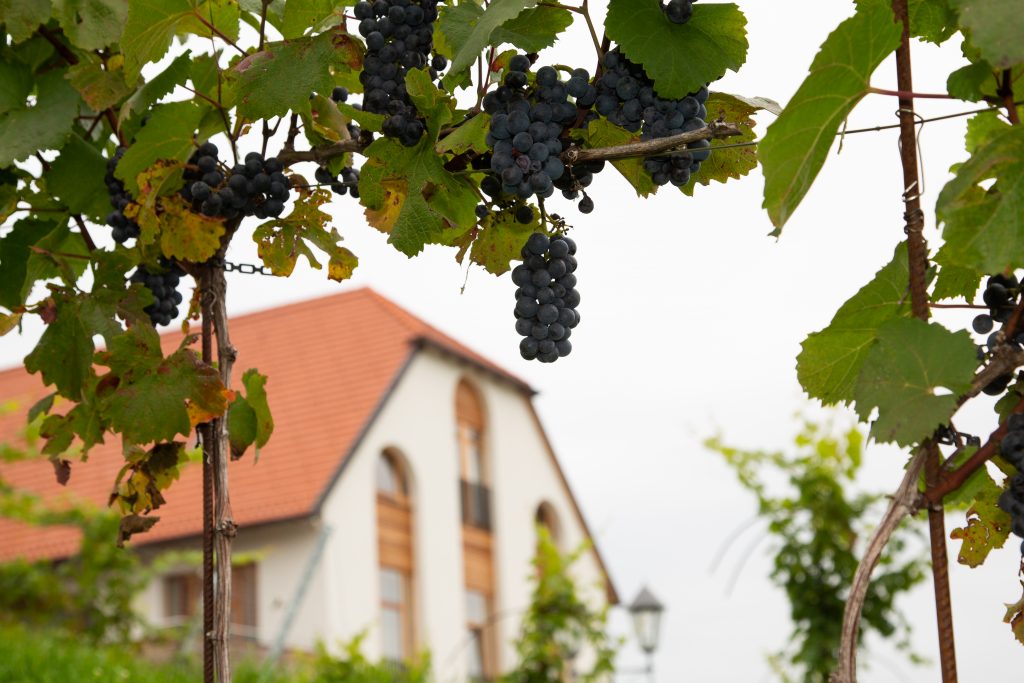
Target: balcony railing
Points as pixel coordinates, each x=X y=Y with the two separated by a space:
x=476 y=505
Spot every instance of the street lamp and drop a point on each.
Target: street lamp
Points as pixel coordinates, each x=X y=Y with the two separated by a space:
x=646 y=611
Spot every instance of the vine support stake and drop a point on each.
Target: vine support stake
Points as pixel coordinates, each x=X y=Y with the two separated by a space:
x=218 y=526
x=917 y=253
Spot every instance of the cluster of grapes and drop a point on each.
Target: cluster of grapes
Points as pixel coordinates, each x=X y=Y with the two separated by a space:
x=399 y=36
x=523 y=213
x=575 y=182
x=626 y=98
x=163 y=285
x=546 y=300
x=346 y=182
x=1012 y=450
x=124 y=228
x=678 y=11
x=257 y=187
x=1001 y=294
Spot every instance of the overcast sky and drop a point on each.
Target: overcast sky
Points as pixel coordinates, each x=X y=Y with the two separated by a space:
x=725 y=307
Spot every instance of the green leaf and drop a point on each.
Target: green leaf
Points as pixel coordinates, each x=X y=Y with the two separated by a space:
x=932 y=20
x=831 y=360
x=966 y=82
x=249 y=418
x=981 y=128
x=982 y=227
x=955 y=282
x=995 y=27
x=64 y=352
x=601 y=133
x=500 y=240
x=46 y=125
x=14 y=253
x=987 y=527
x=91 y=24
x=21 y=18
x=282 y=240
x=533 y=30
x=153 y=24
x=76 y=178
x=168 y=135
x=733 y=162
x=280 y=78
x=99 y=87
x=679 y=58
x=176 y=73
x=796 y=144
x=468 y=44
x=15 y=85
x=470 y=135
x=59 y=253
x=149 y=401
x=407 y=191
x=902 y=372
x=300 y=16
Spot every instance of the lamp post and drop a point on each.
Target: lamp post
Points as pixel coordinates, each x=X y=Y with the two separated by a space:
x=646 y=611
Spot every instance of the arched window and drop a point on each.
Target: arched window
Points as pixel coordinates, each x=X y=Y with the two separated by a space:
x=547 y=518
x=395 y=546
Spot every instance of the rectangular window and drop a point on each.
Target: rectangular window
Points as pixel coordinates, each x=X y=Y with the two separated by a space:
x=395 y=615
x=183 y=598
x=480 y=658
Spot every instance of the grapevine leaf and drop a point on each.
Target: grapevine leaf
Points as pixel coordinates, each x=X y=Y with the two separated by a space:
x=168 y=135
x=470 y=135
x=987 y=527
x=981 y=128
x=601 y=133
x=280 y=77
x=15 y=85
x=534 y=30
x=299 y=16
x=679 y=58
x=408 y=192
x=100 y=88
x=796 y=144
x=134 y=524
x=149 y=395
x=831 y=359
x=995 y=28
x=152 y=25
x=14 y=253
x=83 y=421
x=281 y=241
x=26 y=130
x=910 y=362
x=500 y=240
x=324 y=122
x=734 y=162
x=154 y=88
x=185 y=234
x=76 y=178
x=59 y=252
x=91 y=24
x=982 y=227
x=366 y=120
x=249 y=418
x=21 y=18
x=955 y=282
x=64 y=352
x=8 y=323
x=932 y=20
x=476 y=30
x=1015 y=618
x=966 y=82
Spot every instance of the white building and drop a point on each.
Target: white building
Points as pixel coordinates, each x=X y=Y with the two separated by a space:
x=398 y=495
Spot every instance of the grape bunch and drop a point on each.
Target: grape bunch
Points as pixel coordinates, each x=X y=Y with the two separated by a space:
x=347 y=182
x=1012 y=449
x=257 y=187
x=163 y=284
x=546 y=300
x=678 y=11
x=1000 y=295
x=626 y=97
x=527 y=127
x=399 y=36
x=123 y=228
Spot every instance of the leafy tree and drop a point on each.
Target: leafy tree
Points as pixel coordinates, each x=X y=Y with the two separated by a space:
x=559 y=623
x=815 y=524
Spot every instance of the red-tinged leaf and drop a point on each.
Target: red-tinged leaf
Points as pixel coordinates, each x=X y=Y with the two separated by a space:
x=134 y=524
x=62 y=470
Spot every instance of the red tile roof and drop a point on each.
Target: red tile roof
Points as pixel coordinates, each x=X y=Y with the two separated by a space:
x=330 y=361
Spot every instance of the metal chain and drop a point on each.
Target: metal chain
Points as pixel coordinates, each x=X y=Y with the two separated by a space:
x=243 y=268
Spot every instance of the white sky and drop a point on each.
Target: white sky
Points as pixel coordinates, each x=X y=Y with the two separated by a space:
x=692 y=319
